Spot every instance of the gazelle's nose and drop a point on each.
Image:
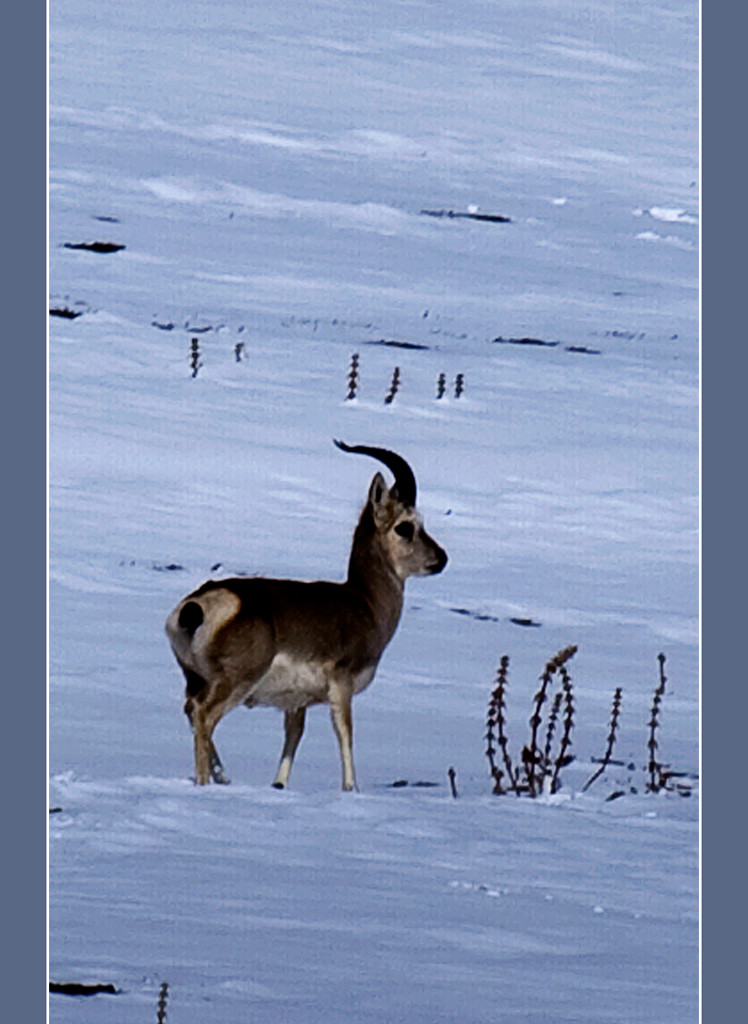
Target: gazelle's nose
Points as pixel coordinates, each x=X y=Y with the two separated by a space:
x=439 y=563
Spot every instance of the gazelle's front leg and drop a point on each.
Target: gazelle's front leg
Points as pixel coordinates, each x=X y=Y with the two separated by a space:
x=294 y=723
x=342 y=721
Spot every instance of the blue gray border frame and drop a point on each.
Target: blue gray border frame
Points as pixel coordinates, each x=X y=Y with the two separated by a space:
x=724 y=434
x=24 y=507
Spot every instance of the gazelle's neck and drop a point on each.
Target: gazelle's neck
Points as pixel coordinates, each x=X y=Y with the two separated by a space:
x=371 y=573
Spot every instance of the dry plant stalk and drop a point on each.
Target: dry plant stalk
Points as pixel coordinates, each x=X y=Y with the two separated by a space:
x=605 y=761
x=393 y=386
x=195 y=363
x=161 y=1008
x=552 y=720
x=656 y=780
x=352 y=378
x=564 y=757
x=495 y=720
x=531 y=756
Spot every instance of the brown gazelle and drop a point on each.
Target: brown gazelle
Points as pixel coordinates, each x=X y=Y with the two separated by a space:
x=292 y=644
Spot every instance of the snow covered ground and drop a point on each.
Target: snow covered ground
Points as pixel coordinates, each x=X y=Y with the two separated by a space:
x=265 y=167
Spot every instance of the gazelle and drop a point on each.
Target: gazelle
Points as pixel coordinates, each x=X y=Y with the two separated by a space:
x=292 y=644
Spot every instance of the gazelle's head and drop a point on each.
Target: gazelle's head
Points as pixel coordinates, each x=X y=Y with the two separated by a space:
x=398 y=526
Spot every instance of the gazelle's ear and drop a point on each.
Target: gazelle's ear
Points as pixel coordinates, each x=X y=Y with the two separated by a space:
x=379 y=498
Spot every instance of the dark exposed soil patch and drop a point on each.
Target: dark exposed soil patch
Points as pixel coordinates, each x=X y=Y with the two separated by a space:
x=73 y=988
x=401 y=783
x=482 y=617
x=94 y=246
x=492 y=218
x=391 y=343
x=65 y=313
x=524 y=341
x=478 y=616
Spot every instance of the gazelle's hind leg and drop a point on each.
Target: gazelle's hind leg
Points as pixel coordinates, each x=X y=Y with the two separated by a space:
x=216 y=767
x=294 y=723
x=207 y=762
x=203 y=746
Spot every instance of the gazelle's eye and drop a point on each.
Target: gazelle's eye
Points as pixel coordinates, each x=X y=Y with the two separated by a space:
x=405 y=530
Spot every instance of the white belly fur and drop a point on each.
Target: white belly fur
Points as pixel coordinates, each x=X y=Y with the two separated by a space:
x=289 y=684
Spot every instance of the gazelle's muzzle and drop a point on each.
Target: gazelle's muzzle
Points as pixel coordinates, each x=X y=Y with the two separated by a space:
x=440 y=560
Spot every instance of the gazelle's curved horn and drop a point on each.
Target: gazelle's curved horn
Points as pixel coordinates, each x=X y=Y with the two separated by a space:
x=405 y=481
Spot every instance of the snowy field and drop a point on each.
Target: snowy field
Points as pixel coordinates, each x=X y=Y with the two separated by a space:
x=266 y=168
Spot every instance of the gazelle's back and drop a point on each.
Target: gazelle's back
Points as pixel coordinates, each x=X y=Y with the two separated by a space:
x=318 y=620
